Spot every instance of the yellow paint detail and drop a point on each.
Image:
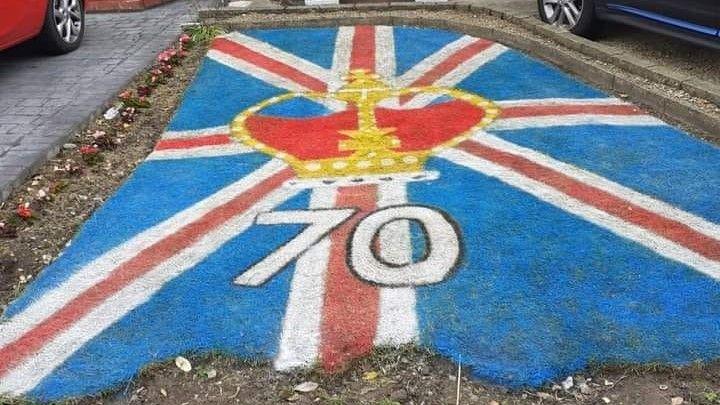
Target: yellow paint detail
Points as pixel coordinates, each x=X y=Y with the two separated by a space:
x=372 y=147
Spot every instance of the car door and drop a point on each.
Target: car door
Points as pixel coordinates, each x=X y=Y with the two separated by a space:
x=699 y=16
x=20 y=20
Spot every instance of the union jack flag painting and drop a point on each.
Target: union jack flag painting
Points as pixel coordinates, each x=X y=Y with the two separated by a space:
x=321 y=192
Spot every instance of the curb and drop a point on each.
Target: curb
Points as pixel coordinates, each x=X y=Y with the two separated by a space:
x=705 y=124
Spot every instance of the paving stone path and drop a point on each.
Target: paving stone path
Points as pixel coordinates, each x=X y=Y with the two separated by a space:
x=43 y=99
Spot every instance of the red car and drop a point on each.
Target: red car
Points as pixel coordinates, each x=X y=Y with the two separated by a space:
x=56 y=25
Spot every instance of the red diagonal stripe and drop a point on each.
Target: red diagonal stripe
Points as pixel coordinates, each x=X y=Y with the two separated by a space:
x=271 y=65
x=147 y=259
x=616 y=206
x=363 y=48
x=188 y=143
x=544 y=110
x=351 y=307
x=454 y=60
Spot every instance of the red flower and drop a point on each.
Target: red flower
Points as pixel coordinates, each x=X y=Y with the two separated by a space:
x=143 y=91
x=88 y=150
x=185 y=38
x=125 y=95
x=24 y=211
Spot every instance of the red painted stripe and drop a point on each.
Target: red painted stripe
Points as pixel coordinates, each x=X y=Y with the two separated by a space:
x=363 y=48
x=568 y=109
x=351 y=307
x=15 y=352
x=272 y=65
x=188 y=143
x=593 y=196
x=454 y=60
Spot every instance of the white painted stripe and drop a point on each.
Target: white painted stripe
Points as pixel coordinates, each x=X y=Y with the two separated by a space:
x=560 y=101
x=32 y=371
x=342 y=55
x=271 y=78
x=300 y=339
x=397 y=322
x=255 y=71
x=457 y=75
x=385 y=54
x=661 y=208
x=504 y=124
x=642 y=236
x=197 y=133
x=201 y=152
x=98 y=269
x=289 y=59
x=429 y=63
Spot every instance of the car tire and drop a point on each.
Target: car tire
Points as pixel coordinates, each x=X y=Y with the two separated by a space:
x=578 y=16
x=64 y=26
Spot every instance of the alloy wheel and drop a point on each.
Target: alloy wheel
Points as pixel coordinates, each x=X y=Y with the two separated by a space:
x=565 y=13
x=68 y=19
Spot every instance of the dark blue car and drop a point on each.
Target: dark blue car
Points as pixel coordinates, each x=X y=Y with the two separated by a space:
x=697 y=21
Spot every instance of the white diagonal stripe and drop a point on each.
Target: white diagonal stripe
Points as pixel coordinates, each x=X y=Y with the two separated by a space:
x=661 y=208
x=98 y=269
x=196 y=133
x=429 y=63
x=34 y=369
x=201 y=151
x=560 y=101
x=505 y=124
x=548 y=194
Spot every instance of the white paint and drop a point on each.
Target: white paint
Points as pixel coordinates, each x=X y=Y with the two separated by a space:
x=661 y=208
x=429 y=63
x=443 y=245
x=642 y=236
x=300 y=338
x=397 y=321
x=319 y=224
x=301 y=64
x=504 y=124
x=385 y=54
x=342 y=55
x=32 y=371
x=360 y=180
x=197 y=133
x=457 y=75
x=234 y=148
x=539 y=102
x=239 y=3
x=98 y=269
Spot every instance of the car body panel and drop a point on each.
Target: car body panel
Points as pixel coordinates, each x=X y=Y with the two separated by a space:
x=20 y=20
x=697 y=21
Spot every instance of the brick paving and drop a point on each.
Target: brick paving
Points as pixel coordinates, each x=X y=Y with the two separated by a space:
x=44 y=99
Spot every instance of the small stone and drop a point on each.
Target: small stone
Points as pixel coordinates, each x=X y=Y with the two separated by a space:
x=676 y=401
x=493 y=402
x=294 y=397
x=567 y=383
x=183 y=364
x=210 y=374
x=556 y=387
x=607 y=383
x=585 y=389
x=662 y=387
x=606 y=400
x=544 y=395
x=111 y=113
x=163 y=392
x=370 y=375
x=399 y=395
x=69 y=146
x=307 y=386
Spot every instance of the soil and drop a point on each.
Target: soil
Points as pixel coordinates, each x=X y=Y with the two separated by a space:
x=404 y=375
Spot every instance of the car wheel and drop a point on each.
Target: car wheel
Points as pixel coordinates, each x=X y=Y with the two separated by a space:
x=64 y=26
x=578 y=16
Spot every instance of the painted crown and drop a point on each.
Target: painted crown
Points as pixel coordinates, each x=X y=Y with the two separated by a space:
x=365 y=138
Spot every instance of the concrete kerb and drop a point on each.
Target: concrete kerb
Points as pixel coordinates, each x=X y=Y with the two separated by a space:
x=664 y=105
